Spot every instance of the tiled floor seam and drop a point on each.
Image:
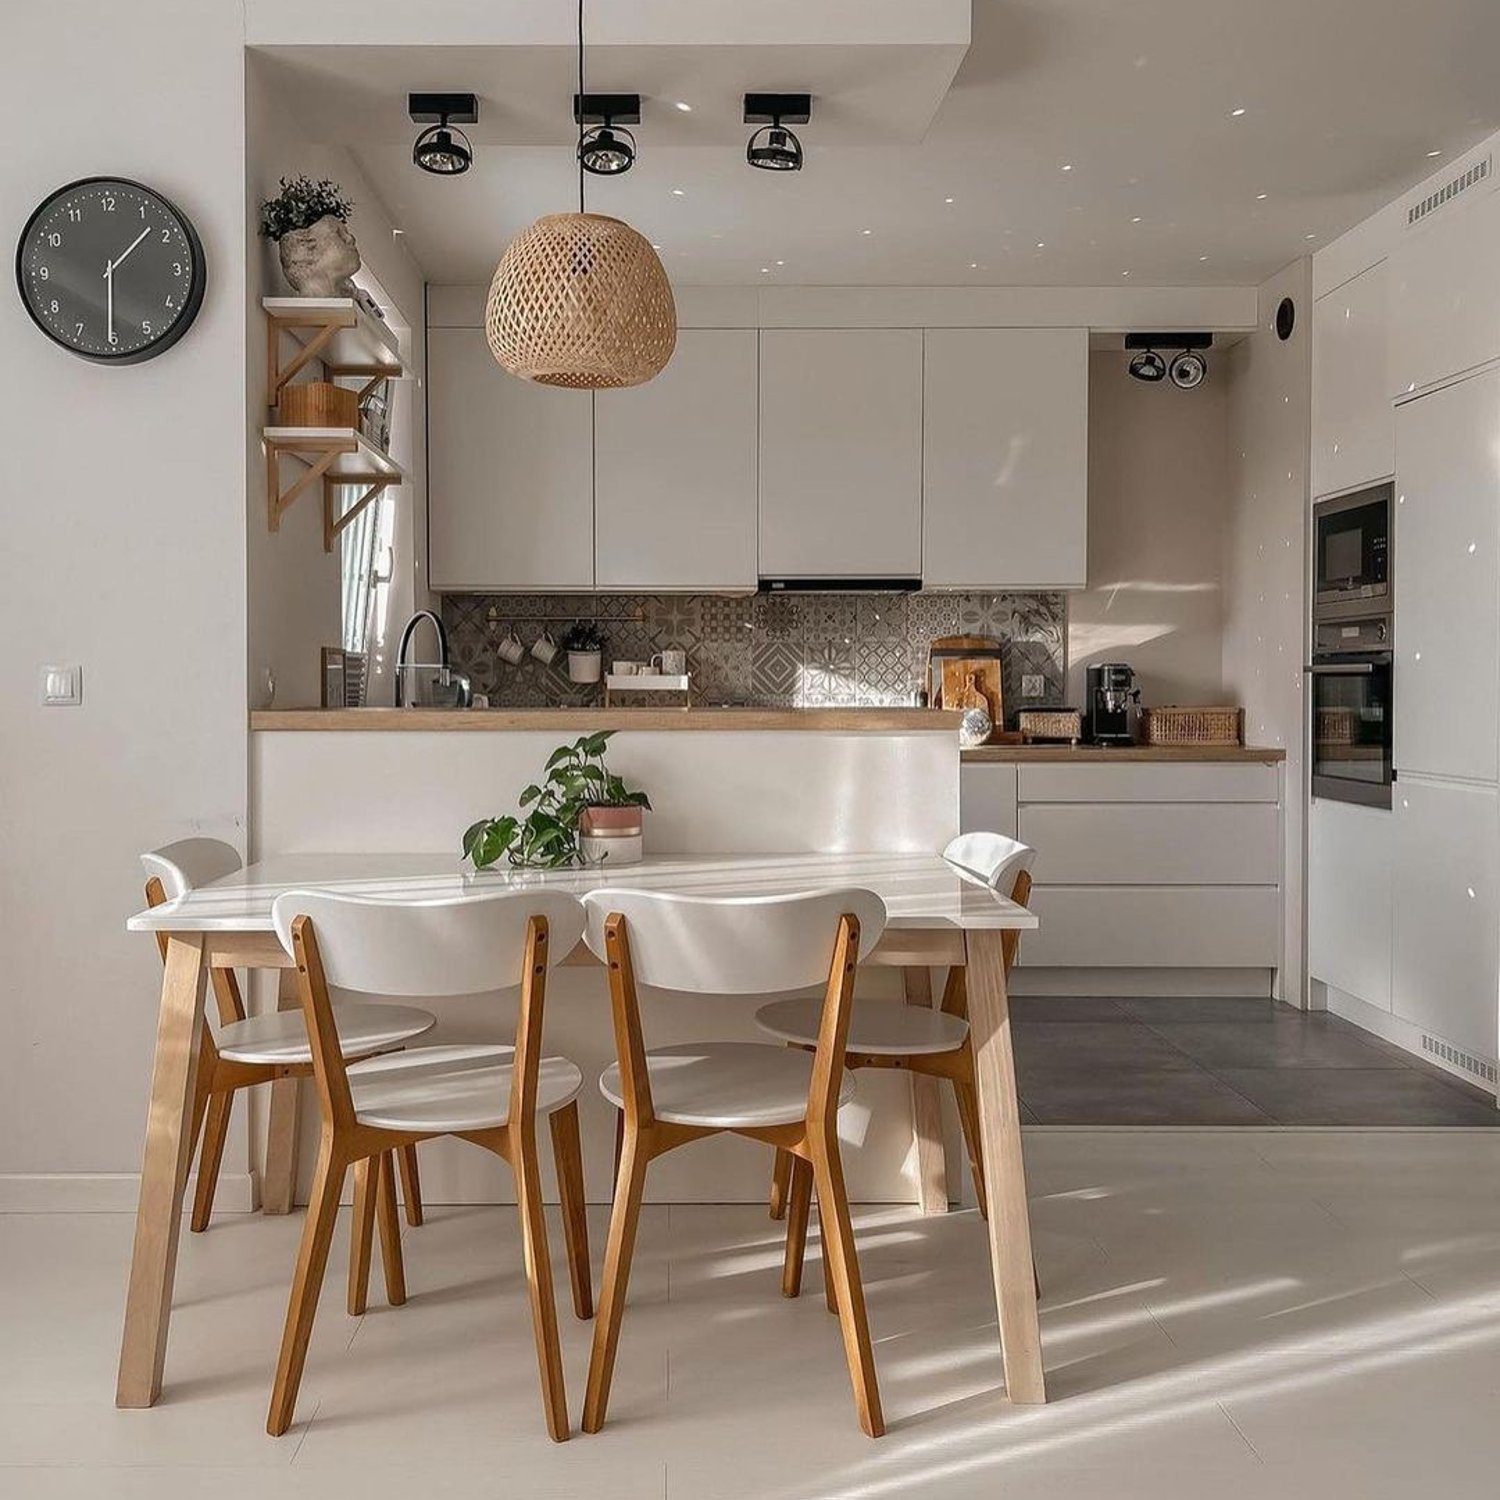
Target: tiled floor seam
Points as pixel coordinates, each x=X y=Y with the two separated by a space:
x=1241 y=1431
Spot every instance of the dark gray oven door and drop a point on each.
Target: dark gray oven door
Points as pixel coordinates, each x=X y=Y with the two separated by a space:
x=1351 y=727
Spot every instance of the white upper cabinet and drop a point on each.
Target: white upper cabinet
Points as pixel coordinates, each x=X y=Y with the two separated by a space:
x=1446 y=580
x=841 y=452
x=510 y=474
x=1353 y=425
x=1445 y=295
x=1005 y=458
x=675 y=470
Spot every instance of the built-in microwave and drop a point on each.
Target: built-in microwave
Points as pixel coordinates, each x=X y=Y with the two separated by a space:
x=1352 y=554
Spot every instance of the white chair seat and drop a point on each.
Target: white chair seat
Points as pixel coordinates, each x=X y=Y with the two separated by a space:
x=445 y=1090
x=726 y=1085
x=881 y=1029
x=280 y=1038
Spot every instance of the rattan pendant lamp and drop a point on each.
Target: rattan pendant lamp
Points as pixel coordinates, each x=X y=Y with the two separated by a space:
x=581 y=299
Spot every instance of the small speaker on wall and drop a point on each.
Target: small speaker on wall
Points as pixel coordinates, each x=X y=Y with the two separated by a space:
x=1286 y=319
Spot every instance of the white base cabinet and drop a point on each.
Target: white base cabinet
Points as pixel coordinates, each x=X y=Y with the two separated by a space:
x=1350 y=898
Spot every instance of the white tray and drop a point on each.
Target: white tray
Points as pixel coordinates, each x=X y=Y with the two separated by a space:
x=619 y=682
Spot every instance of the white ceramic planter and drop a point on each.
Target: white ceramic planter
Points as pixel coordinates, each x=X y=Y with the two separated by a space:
x=585 y=666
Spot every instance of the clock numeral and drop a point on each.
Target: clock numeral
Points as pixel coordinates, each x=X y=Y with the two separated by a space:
x=43 y=272
x=54 y=304
x=143 y=210
x=76 y=215
x=54 y=239
x=114 y=338
x=146 y=326
x=177 y=268
x=78 y=330
x=166 y=236
x=108 y=201
x=170 y=302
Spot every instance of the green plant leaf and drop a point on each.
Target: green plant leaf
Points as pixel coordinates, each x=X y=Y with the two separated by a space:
x=594 y=744
x=472 y=835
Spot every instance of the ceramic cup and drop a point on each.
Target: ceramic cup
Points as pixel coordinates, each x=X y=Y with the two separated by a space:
x=626 y=668
x=510 y=649
x=670 y=663
x=544 y=648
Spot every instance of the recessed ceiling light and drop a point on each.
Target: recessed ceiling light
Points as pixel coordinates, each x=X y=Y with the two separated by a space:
x=684 y=106
x=1259 y=197
x=1067 y=166
x=1124 y=273
x=973 y=265
x=867 y=231
x=780 y=262
x=1136 y=219
x=765 y=270
x=397 y=231
x=947 y=200
x=1237 y=111
x=1041 y=244
x=1434 y=153
x=654 y=245
x=1309 y=236
x=678 y=193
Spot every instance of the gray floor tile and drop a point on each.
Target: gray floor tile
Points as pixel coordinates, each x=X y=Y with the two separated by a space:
x=1134 y=1096
x=1065 y=1008
x=1289 y=1041
x=1103 y=1048
x=1357 y=1096
x=1173 y=1008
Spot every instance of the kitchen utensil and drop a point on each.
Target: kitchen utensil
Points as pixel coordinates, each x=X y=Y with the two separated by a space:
x=965 y=675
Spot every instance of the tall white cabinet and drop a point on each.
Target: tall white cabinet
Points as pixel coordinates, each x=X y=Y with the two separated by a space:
x=1005 y=458
x=510 y=474
x=841 y=452
x=1353 y=428
x=675 y=470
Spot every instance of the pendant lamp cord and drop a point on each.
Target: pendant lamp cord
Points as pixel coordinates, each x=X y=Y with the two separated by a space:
x=579 y=152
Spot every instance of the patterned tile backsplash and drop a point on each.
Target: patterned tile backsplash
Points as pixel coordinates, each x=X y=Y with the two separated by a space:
x=765 y=650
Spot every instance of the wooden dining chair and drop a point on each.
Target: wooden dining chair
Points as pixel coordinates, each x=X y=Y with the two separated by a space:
x=246 y=1050
x=915 y=1038
x=489 y=1095
x=670 y=1096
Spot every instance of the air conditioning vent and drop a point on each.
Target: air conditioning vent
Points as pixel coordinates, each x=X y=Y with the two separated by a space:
x=1449 y=191
x=1465 y=1062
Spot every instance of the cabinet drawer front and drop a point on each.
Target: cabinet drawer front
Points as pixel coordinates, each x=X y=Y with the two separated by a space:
x=1137 y=782
x=1226 y=843
x=1165 y=927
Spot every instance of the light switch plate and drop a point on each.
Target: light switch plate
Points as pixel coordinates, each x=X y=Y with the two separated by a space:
x=1033 y=685
x=62 y=687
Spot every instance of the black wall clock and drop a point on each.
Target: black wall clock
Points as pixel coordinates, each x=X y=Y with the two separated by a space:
x=110 y=270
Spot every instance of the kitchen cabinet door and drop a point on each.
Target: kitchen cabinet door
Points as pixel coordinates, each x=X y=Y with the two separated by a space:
x=1446 y=949
x=675 y=467
x=1447 y=581
x=1353 y=426
x=1444 y=295
x=840 y=452
x=1005 y=458
x=1350 y=866
x=510 y=497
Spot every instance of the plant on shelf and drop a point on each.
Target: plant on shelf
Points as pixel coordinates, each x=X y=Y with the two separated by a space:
x=308 y=222
x=585 y=647
x=547 y=834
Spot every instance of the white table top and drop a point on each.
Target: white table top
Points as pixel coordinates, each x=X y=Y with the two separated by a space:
x=919 y=890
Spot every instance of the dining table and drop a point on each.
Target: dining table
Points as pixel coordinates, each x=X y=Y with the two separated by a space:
x=937 y=917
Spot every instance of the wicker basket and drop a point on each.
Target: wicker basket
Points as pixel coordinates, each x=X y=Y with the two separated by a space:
x=1192 y=726
x=1050 y=724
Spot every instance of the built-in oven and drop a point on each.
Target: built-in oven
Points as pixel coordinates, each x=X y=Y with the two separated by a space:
x=1352 y=554
x=1350 y=677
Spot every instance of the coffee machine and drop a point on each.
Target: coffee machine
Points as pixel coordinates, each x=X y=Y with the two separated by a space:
x=1111 y=694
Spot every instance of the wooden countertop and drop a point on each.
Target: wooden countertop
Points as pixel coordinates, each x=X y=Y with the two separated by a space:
x=1084 y=754
x=584 y=720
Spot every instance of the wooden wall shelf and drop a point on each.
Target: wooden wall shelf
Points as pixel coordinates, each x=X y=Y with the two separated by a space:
x=335 y=331
x=334 y=455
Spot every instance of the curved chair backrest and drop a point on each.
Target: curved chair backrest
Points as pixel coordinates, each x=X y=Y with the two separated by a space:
x=733 y=945
x=457 y=946
x=991 y=857
x=190 y=863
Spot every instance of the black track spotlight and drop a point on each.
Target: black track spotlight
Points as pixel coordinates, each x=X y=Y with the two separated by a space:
x=1187 y=370
x=442 y=149
x=774 y=148
x=606 y=148
x=1149 y=366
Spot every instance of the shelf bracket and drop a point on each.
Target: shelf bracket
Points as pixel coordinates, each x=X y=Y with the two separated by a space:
x=332 y=525
x=279 y=501
x=278 y=375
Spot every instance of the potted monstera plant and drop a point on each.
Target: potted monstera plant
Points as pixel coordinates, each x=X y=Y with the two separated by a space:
x=579 y=813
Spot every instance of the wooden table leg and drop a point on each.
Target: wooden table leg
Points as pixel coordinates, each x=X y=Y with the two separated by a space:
x=279 y=1182
x=1004 y=1172
x=927 y=1112
x=164 y=1171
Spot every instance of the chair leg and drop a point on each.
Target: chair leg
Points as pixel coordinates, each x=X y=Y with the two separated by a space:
x=391 y=1259
x=842 y=1271
x=619 y=1146
x=215 y=1122
x=567 y=1155
x=630 y=1183
x=539 y=1279
x=411 y=1185
x=968 y=1118
x=781 y=1177
x=302 y=1307
x=797 y=1206
x=361 y=1235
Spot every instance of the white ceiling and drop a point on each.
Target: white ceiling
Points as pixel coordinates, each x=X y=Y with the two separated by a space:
x=1082 y=142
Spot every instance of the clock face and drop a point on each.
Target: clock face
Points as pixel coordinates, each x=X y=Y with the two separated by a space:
x=110 y=270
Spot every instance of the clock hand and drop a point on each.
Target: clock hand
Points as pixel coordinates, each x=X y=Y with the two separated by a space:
x=131 y=246
x=109 y=283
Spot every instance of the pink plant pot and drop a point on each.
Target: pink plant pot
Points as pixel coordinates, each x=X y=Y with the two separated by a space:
x=612 y=822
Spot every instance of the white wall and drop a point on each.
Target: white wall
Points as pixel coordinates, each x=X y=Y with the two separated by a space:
x=1157 y=506
x=125 y=552
x=1269 y=412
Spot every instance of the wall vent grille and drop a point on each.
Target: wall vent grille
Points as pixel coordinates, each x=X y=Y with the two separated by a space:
x=1449 y=191
x=1475 y=1067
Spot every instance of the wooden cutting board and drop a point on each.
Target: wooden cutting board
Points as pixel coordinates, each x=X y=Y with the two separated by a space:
x=974 y=682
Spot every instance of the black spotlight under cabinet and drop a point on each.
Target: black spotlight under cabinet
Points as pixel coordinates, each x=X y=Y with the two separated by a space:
x=774 y=148
x=606 y=148
x=442 y=149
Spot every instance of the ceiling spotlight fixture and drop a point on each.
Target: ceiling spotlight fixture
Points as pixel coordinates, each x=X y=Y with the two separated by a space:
x=442 y=149
x=1187 y=368
x=606 y=149
x=773 y=147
